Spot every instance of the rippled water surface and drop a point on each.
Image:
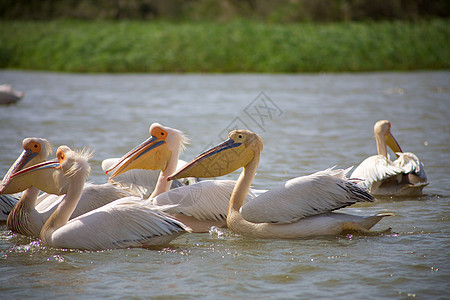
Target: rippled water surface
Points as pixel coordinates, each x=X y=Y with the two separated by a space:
x=307 y=122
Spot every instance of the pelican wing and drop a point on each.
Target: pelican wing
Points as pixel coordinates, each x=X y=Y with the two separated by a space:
x=140 y=182
x=304 y=196
x=409 y=163
x=7 y=203
x=374 y=168
x=127 y=222
x=93 y=197
x=206 y=200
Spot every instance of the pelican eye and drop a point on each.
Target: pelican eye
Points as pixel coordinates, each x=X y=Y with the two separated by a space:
x=159 y=133
x=35 y=146
x=60 y=155
x=240 y=136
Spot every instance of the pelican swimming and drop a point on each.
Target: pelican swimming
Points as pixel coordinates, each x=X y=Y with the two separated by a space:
x=301 y=207
x=200 y=205
x=403 y=177
x=126 y=222
x=29 y=213
x=8 y=95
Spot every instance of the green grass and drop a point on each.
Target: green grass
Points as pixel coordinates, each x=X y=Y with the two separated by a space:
x=238 y=46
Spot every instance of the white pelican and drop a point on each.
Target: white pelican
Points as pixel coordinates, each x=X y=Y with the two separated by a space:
x=35 y=150
x=28 y=215
x=200 y=205
x=403 y=177
x=165 y=143
x=8 y=95
x=126 y=222
x=301 y=207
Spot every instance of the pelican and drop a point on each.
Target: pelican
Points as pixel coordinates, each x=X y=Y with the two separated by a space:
x=200 y=205
x=35 y=150
x=8 y=95
x=29 y=213
x=403 y=177
x=126 y=222
x=164 y=144
x=301 y=207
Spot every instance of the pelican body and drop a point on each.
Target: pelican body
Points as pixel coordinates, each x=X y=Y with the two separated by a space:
x=301 y=207
x=403 y=177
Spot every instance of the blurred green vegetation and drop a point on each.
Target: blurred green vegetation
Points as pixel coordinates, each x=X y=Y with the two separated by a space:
x=224 y=35
x=233 y=46
x=278 y=11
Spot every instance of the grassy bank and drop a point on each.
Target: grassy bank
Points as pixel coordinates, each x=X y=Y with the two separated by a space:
x=239 y=46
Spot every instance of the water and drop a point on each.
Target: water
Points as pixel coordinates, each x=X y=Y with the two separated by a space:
x=307 y=122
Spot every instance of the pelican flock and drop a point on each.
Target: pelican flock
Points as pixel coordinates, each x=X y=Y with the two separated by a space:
x=126 y=222
x=143 y=204
x=199 y=205
x=404 y=176
x=27 y=215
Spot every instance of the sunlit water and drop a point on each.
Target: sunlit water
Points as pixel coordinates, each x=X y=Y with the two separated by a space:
x=307 y=122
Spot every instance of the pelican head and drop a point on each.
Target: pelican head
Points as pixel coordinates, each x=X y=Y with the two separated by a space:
x=383 y=135
x=154 y=153
x=35 y=151
x=51 y=176
x=237 y=151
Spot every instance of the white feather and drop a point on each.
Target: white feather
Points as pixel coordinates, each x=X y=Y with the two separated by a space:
x=375 y=168
x=127 y=222
x=206 y=200
x=321 y=192
x=93 y=196
x=409 y=163
x=142 y=182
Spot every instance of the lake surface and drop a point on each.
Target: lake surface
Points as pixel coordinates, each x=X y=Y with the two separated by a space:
x=307 y=122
